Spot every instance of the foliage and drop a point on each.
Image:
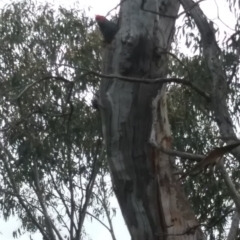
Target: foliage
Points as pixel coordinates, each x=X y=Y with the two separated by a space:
x=195 y=131
x=193 y=126
x=50 y=134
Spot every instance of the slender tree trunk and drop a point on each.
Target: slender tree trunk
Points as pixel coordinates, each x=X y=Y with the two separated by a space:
x=153 y=203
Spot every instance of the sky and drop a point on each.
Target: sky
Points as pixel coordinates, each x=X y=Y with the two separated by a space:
x=93 y=228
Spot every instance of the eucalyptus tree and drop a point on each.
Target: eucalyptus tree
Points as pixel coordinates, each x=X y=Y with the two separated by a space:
x=161 y=112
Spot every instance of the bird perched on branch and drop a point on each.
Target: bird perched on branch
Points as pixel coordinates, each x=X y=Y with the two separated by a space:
x=107 y=28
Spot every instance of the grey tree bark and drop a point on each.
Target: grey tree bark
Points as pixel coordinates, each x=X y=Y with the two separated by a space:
x=153 y=203
x=234 y=226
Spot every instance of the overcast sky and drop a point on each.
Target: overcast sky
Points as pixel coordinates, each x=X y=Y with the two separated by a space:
x=94 y=229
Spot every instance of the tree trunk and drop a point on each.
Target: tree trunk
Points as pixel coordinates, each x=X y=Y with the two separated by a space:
x=152 y=201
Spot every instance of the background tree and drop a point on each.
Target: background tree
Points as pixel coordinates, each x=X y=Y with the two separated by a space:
x=53 y=170
x=51 y=145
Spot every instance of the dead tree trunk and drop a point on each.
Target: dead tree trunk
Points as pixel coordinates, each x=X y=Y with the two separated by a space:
x=153 y=203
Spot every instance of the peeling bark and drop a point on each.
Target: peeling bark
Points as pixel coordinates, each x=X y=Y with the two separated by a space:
x=153 y=203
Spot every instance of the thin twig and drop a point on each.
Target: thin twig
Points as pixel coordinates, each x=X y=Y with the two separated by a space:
x=59 y=215
x=175 y=57
x=219 y=219
x=235 y=65
x=57 y=78
x=88 y=213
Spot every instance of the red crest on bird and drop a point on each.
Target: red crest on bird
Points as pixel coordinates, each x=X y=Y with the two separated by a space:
x=107 y=28
x=100 y=18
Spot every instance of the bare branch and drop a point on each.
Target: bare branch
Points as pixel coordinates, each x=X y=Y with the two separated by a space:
x=123 y=78
x=150 y=81
x=156 y=81
x=173 y=153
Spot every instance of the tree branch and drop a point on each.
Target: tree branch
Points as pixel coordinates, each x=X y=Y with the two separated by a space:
x=122 y=78
x=157 y=81
x=71 y=190
x=103 y=193
x=82 y=211
x=60 y=216
x=190 y=8
x=233 y=192
x=57 y=78
x=39 y=191
x=176 y=58
x=234 y=226
x=233 y=36
x=219 y=87
x=151 y=81
x=62 y=199
x=15 y=189
x=88 y=213
x=173 y=153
